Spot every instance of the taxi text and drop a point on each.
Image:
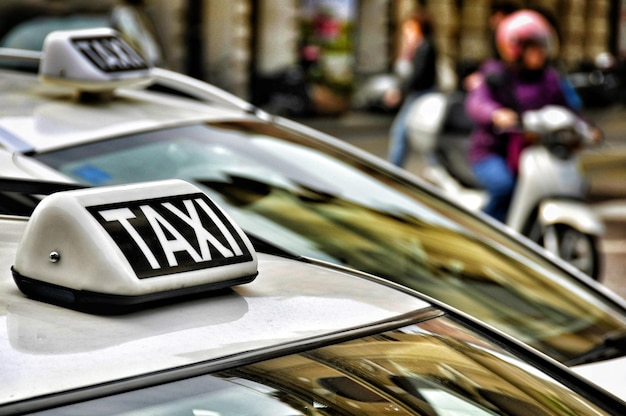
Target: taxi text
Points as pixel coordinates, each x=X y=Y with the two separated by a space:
x=173 y=235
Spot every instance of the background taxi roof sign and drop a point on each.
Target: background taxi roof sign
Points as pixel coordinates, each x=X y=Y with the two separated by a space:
x=95 y=249
x=91 y=60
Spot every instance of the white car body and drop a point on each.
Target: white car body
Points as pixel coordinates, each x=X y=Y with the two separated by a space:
x=39 y=117
x=42 y=341
x=600 y=372
x=58 y=360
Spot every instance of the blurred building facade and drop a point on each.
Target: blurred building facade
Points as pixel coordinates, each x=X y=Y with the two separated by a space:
x=239 y=42
x=252 y=47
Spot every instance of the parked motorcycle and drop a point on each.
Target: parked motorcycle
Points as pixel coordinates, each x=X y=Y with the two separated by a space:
x=598 y=83
x=548 y=202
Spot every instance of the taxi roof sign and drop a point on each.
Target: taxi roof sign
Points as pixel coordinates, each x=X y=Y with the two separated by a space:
x=119 y=246
x=92 y=60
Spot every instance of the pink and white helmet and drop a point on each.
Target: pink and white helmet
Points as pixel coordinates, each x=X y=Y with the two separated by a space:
x=520 y=29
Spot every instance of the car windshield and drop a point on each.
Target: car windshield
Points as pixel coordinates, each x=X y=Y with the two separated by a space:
x=436 y=367
x=320 y=201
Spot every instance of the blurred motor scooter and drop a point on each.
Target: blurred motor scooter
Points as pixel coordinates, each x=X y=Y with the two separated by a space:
x=548 y=204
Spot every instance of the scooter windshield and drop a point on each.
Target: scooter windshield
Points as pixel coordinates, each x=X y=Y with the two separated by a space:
x=317 y=199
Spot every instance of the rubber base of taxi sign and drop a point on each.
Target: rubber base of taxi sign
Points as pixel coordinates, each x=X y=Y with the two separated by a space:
x=107 y=304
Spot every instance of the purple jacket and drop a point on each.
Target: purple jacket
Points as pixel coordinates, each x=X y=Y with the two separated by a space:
x=530 y=92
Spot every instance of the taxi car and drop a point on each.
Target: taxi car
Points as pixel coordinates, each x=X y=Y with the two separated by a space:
x=87 y=117
x=175 y=312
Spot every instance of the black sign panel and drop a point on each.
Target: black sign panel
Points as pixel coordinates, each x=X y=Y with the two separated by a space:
x=172 y=235
x=110 y=54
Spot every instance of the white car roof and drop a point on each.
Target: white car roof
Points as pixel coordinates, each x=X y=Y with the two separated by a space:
x=44 y=117
x=47 y=348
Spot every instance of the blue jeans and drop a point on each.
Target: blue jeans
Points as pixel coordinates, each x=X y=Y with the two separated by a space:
x=398 y=140
x=496 y=177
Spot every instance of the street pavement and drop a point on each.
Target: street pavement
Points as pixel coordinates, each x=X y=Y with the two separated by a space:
x=604 y=165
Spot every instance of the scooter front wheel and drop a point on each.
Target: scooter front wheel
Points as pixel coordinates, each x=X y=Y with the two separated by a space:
x=575 y=247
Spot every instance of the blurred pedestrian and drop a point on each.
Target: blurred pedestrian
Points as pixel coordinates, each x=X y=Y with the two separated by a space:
x=418 y=61
x=521 y=80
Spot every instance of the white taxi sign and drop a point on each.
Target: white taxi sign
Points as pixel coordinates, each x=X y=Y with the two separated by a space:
x=91 y=60
x=128 y=244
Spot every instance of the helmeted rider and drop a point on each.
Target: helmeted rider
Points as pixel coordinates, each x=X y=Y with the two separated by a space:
x=521 y=80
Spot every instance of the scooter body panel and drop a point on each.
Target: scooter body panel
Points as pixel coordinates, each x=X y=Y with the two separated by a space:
x=576 y=214
x=425 y=120
x=542 y=177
